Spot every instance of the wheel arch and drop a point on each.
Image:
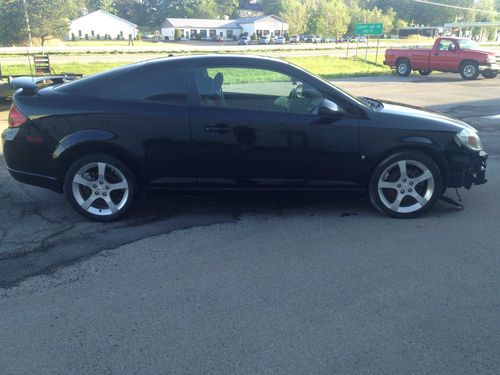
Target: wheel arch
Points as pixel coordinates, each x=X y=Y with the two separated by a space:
x=436 y=155
x=403 y=58
x=464 y=61
x=69 y=155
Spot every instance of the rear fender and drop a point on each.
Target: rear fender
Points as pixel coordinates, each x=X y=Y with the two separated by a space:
x=84 y=142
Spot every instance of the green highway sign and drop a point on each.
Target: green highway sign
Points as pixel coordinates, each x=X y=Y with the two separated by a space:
x=369 y=29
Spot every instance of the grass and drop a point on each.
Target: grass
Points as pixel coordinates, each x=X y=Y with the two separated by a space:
x=334 y=67
x=325 y=66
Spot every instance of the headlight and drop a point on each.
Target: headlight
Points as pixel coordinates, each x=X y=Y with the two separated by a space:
x=470 y=139
x=491 y=59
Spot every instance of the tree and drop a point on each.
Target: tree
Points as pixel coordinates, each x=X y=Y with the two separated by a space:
x=227 y=7
x=273 y=6
x=106 y=5
x=333 y=18
x=295 y=13
x=50 y=18
x=205 y=9
x=12 y=23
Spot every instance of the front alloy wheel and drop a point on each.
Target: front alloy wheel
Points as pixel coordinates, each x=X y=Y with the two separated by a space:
x=406 y=185
x=469 y=70
x=100 y=188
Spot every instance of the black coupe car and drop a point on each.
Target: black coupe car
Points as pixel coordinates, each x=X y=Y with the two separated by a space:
x=230 y=122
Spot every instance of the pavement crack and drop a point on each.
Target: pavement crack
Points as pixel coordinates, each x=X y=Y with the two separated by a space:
x=51 y=255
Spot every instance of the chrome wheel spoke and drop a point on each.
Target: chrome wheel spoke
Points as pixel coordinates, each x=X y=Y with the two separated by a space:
x=80 y=180
x=101 y=168
x=397 y=202
x=402 y=168
x=112 y=206
x=387 y=185
x=423 y=177
x=420 y=199
x=122 y=185
x=88 y=203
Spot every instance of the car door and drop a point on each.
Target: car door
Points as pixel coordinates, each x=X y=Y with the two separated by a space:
x=150 y=108
x=255 y=127
x=446 y=57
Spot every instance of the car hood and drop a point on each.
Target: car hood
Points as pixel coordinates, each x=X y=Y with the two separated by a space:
x=414 y=112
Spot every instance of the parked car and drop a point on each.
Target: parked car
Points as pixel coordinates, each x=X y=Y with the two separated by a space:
x=217 y=38
x=250 y=123
x=279 y=40
x=295 y=39
x=313 y=39
x=264 y=39
x=455 y=55
x=326 y=39
x=303 y=38
x=245 y=40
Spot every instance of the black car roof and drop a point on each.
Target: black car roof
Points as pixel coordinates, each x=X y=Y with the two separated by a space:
x=183 y=60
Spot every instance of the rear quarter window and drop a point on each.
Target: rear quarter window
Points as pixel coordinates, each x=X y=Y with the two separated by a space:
x=161 y=86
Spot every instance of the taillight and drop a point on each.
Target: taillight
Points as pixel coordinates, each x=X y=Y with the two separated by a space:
x=16 y=117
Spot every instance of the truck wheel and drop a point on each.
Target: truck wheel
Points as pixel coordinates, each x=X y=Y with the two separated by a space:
x=424 y=72
x=489 y=74
x=403 y=68
x=469 y=70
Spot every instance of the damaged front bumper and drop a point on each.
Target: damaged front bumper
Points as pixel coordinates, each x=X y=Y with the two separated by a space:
x=467 y=169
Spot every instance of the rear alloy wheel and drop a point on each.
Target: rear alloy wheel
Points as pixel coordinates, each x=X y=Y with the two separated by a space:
x=403 y=68
x=489 y=74
x=469 y=70
x=99 y=187
x=406 y=185
x=424 y=72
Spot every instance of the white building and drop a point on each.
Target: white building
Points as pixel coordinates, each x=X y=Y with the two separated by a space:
x=101 y=25
x=191 y=28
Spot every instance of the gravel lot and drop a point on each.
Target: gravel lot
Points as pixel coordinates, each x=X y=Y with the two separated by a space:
x=259 y=283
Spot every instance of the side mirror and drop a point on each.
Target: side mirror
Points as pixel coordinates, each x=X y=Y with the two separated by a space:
x=330 y=110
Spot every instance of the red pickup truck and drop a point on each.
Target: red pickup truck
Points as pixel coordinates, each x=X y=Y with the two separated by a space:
x=456 y=55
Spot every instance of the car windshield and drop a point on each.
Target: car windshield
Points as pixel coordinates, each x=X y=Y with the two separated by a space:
x=466 y=44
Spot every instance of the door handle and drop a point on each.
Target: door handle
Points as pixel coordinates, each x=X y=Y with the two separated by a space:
x=218 y=129
x=436 y=54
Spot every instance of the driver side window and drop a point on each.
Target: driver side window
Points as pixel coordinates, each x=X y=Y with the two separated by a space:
x=255 y=89
x=446 y=45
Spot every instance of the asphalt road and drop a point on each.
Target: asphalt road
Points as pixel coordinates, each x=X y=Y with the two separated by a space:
x=260 y=284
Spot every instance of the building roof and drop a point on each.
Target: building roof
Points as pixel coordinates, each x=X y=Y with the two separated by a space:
x=472 y=24
x=195 y=23
x=100 y=11
x=258 y=18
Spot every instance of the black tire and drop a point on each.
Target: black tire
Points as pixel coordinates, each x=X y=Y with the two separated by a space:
x=403 y=68
x=110 y=197
x=469 y=70
x=424 y=72
x=405 y=188
x=489 y=74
